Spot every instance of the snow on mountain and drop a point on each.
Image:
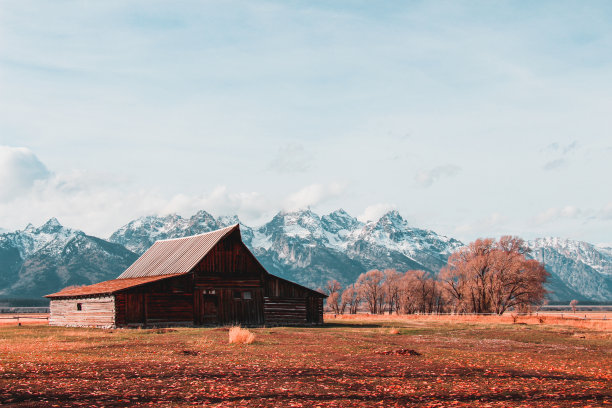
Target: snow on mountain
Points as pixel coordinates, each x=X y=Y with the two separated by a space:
x=38 y=261
x=298 y=245
x=578 y=269
x=391 y=235
x=310 y=249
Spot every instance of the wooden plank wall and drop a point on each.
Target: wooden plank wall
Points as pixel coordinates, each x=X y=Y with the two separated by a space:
x=277 y=287
x=96 y=311
x=315 y=310
x=284 y=311
x=161 y=303
x=288 y=303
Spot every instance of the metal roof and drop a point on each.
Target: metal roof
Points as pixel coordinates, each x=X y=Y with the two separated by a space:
x=174 y=256
x=107 y=287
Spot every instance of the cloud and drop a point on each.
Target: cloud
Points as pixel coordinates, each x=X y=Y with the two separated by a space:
x=19 y=170
x=606 y=212
x=101 y=204
x=375 y=211
x=98 y=203
x=312 y=195
x=561 y=152
x=220 y=201
x=493 y=223
x=555 y=164
x=425 y=178
x=555 y=214
x=292 y=158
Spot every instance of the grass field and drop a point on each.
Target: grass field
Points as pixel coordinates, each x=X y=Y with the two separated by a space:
x=348 y=362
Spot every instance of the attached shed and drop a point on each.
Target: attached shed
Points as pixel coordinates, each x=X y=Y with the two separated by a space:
x=206 y=279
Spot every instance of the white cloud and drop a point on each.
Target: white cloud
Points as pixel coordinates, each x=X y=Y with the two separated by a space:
x=426 y=178
x=100 y=205
x=375 y=211
x=220 y=201
x=312 y=195
x=561 y=152
x=292 y=158
x=555 y=164
x=19 y=170
x=606 y=212
x=556 y=214
x=493 y=224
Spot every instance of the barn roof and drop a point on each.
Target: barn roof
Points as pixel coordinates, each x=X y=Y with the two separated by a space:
x=106 y=287
x=175 y=256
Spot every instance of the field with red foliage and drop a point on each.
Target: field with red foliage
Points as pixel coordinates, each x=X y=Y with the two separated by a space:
x=358 y=362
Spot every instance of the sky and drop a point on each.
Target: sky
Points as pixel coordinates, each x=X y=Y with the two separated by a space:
x=471 y=118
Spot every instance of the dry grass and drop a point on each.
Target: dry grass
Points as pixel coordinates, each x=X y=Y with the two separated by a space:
x=238 y=335
x=594 y=321
x=15 y=319
x=346 y=363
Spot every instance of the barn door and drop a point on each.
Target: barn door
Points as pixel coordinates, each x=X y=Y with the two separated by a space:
x=207 y=307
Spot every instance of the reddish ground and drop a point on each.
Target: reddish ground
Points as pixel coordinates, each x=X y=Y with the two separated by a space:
x=345 y=363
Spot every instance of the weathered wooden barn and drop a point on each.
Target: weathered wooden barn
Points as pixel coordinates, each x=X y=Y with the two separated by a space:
x=207 y=279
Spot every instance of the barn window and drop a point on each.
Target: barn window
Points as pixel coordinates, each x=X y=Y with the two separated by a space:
x=210 y=291
x=79 y=306
x=237 y=294
x=246 y=294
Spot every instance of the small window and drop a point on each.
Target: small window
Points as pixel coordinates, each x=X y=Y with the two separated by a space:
x=209 y=291
x=237 y=294
x=79 y=306
x=246 y=295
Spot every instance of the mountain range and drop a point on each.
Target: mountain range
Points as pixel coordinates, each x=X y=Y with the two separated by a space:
x=301 y=246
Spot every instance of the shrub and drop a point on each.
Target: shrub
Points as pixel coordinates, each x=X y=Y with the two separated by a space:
x=239 y=335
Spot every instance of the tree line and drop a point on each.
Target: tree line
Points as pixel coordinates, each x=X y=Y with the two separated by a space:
x=486 y=276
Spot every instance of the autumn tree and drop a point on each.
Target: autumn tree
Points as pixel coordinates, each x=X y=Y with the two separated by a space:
x=369 y=285
x=350 y=299
x=573 y=305
x=391 y=289
x=489 y=276
x=332 y=289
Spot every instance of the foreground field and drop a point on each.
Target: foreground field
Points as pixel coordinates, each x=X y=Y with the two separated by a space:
x=359 y=362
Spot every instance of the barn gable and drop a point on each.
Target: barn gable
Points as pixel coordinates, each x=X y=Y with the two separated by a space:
x=175 y=256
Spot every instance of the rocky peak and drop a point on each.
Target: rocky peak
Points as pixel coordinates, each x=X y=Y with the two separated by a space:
x=50 y=227
x=340 y=220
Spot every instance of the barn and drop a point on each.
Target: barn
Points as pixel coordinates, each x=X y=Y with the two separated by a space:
x=206 y=279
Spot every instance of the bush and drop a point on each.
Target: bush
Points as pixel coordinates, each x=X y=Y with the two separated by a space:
x=239 y=335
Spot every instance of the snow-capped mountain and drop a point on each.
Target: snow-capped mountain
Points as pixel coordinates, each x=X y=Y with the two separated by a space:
x=310 y=249
x=579 y=270
x=38 y=261
x=301 y=245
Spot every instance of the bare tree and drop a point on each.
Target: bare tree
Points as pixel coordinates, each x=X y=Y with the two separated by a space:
x=391 y=289
x=369 y=285
x=332 y=289
x=333 y=302
x=573 y=304
x=332 y=286
x=351 y=299
x=489 y=276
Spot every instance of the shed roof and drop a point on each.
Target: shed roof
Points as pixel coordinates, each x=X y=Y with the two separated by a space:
x=107 y=287
x=175 y=256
